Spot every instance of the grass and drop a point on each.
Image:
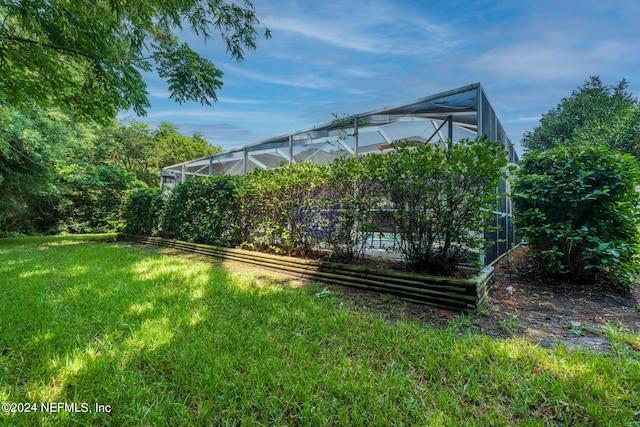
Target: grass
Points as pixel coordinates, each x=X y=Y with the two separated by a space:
x=170 y=340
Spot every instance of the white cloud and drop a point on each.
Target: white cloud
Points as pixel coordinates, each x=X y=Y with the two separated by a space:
x=240 y=101
x=321 y=32
x=305 y=79
x=383 y=28
x=216 y=115
x=155 y=92
x=548 y=59
x=360 y=72
x=531 y=119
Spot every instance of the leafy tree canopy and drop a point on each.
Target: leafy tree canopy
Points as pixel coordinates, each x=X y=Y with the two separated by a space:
x=143 y=151
x=89 y=56
x=594 y=113
x=25 y=165
x=58 y=174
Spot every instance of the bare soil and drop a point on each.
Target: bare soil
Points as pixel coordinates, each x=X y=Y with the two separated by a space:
x=524 y=303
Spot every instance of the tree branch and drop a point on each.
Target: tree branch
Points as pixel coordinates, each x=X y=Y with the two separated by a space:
x=74 y=52
x=49 y=46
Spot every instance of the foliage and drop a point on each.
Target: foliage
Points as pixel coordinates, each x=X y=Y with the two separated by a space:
x=259 y=220
x=141 y=210
x=143 y=152
x=58 y=175
x=91 y=197
x=173 y=147
x=89 y=57
x=168 y=340
x=30 y=144
x=353 y=193
x=578 y=208
x=594 y=113
x=279 y=206
x=439 y=197
x=204 y=210
x=351 y=198
x=622 y=133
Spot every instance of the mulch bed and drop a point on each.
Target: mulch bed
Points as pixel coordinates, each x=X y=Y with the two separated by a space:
x=524 y=303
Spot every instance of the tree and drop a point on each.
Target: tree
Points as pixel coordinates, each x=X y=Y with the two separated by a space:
x=31 y=142
x=90 y=197
x=174 y=147
x=594 y=113
x=57 y=174
x=88 y=56
x=143 y=151
x=621 y=134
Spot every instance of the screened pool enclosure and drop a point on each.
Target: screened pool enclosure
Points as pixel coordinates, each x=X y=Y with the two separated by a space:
x=438 y=119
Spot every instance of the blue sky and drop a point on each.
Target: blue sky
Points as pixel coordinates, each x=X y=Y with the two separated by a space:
x=356 y=56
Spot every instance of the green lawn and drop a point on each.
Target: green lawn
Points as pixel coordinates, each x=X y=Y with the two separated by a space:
x=167 y=340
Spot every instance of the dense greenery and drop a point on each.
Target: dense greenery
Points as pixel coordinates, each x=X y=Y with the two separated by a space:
x=575 y=194
x=58 y=175
x=440 y=197
x=28 y=142
x=594 y=114
x=279 y=206
x=66 y=70
x=204 y=210
x=184 y=341
x=88 y=56
x=435 y=197
x=578 y=208
x=141 y=210
x=88 y=197
x=349 y=195
x=143 y=151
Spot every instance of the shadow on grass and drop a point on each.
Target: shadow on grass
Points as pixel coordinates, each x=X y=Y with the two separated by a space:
x=166 y=340
x=143 y=333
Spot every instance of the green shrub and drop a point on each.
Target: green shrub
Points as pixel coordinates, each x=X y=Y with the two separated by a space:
x=204 y=210
x=578 y=208
x=279 y=206
x=352 y=196
x=141 y=210
x=439 y=198
x=91 y=197
x=259 y=220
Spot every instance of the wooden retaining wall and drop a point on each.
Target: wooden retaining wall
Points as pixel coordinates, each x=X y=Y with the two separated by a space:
x=451 y=293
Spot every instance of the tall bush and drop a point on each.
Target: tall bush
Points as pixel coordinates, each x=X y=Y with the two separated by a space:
x=278 y=207
x=91 y=197
x=141 y=210
x=439 y=198
x=204 y=210
x=352 y=195
x=578 y=208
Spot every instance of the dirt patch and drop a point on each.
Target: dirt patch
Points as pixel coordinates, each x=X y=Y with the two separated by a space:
x=523 y=303
x=548 y=311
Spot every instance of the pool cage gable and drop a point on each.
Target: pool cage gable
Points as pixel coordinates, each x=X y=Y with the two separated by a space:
x=445 y=117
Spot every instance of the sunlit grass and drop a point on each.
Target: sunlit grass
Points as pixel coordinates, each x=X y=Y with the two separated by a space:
x=170 y=340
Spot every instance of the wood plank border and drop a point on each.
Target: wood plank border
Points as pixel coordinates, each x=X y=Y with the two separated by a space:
x=450 y=293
